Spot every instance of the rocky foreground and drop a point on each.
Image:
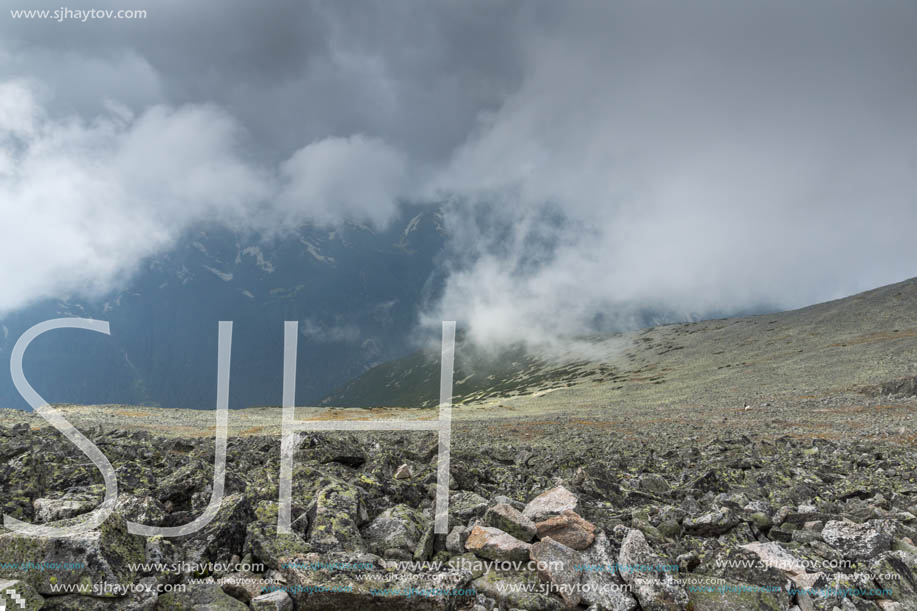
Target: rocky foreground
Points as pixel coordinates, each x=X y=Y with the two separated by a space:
x=614 y=522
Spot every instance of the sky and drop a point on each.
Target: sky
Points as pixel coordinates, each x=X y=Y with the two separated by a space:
x=595 y=159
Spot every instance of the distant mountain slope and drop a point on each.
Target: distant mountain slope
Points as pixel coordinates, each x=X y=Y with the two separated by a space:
x=355 y=292
x=866 y=341
x=413 y=381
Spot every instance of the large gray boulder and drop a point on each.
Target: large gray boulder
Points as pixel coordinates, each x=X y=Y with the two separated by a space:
x=856 y=541
x=509 y=519
x=199 y=597
x=455 y=540
x=712 y=523
x=717 y=594
x=70 y=505
x=263 y=542
x=397 y=527
x=335 y=519
x=97 y=556
x=557 y=565
x=516 y=590
x=897 y=571
x=330 y=589
x=272 y=601
x=602 y=586
x=581 y=577
x=465 y=505
x=655 y=590
x=549 y=503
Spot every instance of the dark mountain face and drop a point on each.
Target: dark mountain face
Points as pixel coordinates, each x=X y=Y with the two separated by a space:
x=354 y=290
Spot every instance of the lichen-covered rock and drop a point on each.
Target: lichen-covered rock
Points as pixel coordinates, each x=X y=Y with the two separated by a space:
x=516 y=590
x=70 y=505
x=142 y=510
x=243 y=586
x=602 y=586
x=712 y=523
x=558 y=565
x=509 y=519
x=199 y=597
x=708 y=482
x=655 y=590
x=551 y=502
x=338 y=447
x=895 y=571
x=856 y=541
x=741 y=565
x=224 y=535
x=263 y=542
x=277 y=600
x=654 y=484
x=822 y=592
x=335 y=519
x=774 y=556
x=425 y=545
x=464 y=505
x=455 y=540
x=329 y=589
x=568 y=528
x=725 y=595
x=98 y=556
x=494 y=544
x=17 y=594
x=176 y=490
x=397 y=527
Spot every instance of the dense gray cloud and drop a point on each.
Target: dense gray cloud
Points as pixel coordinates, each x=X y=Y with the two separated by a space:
x=413 y=74
x=600 y=158
x=724 y=160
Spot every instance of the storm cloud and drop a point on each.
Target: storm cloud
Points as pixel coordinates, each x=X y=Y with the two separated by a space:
x=596 y=160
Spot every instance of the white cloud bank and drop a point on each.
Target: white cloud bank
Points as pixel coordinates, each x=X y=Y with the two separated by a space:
x=84 y=201
x=355 y=177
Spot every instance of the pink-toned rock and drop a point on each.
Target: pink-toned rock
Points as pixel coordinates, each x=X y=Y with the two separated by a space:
x=549 y=503
x=494 y=544
x=568 y=528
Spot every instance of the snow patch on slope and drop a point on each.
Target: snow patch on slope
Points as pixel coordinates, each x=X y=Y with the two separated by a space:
x=260 y=260
x=315 y=251
x=224 y=276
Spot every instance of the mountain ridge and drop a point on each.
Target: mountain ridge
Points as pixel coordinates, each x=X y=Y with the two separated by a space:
x=353 y=289
x=848 y=326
